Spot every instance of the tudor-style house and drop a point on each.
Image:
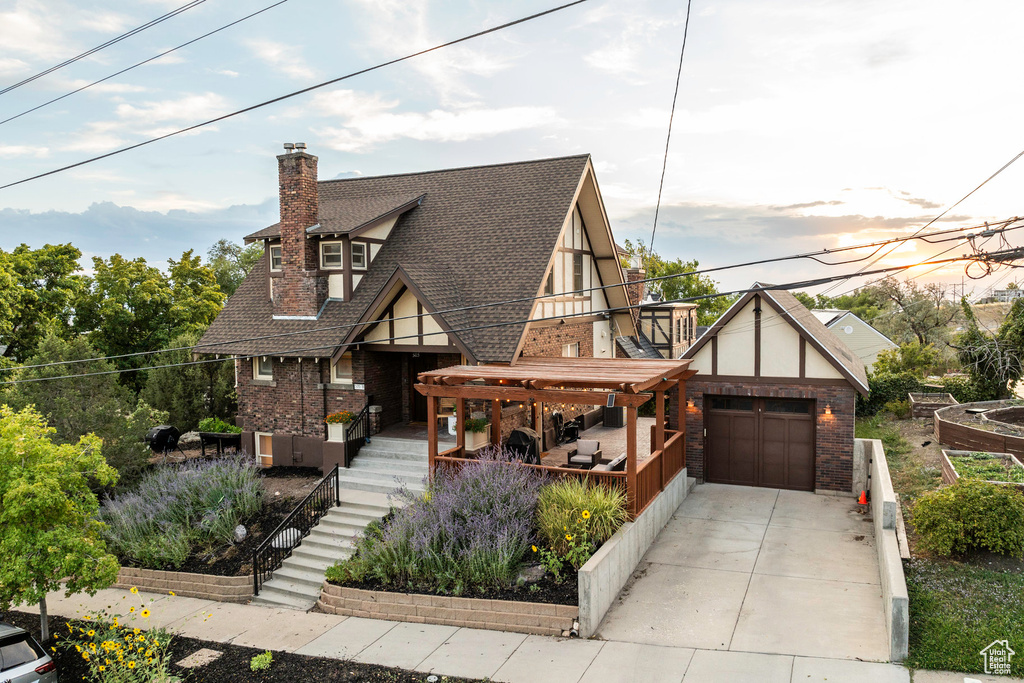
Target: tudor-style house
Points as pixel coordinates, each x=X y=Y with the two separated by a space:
x=368 y=281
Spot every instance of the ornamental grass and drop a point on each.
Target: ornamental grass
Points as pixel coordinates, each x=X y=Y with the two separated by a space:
x=175 y=509
x=570 y=510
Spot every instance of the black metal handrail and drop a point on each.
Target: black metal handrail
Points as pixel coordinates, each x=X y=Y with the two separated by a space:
x=358 y=433
x=302 y=519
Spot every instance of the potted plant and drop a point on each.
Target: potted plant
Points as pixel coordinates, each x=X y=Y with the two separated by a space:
x=477 y=433
x=337 y=424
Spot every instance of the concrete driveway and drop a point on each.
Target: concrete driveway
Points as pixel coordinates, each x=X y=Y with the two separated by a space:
x=758 y=570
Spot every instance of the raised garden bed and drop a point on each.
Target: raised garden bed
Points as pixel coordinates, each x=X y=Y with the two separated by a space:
x=998 y=468
x=925 y=404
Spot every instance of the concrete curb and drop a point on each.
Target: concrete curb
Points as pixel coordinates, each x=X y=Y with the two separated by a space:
x=890 y=565
x=604 y=574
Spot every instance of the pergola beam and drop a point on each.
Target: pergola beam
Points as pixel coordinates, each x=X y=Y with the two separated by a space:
x=504 y=393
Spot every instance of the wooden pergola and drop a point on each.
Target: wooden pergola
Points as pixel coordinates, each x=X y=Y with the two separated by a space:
x=615 y=382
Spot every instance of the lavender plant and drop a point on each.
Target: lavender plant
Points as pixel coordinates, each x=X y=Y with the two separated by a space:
x=175 y=508
x=473 y=527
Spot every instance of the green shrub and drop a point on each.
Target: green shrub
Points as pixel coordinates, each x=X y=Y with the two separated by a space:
x=477 y=425
x=576 y=507
x=901 y=409
x=885 y=387
x=215 y=425
x=963 y=389
x=971 y=515
x=261 y=662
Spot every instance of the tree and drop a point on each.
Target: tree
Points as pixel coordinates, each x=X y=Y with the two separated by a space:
x=920 y=313
x=38 y=292
x=911 y=357
x=79 y=405
x=231 y=262
x=863 y=303
x=192 y=392
x=992 y=361
x=196 y=298
x=49 y=533
x=686 y=286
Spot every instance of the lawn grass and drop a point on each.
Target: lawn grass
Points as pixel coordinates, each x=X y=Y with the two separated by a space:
x=911 y=476
x=957 y=609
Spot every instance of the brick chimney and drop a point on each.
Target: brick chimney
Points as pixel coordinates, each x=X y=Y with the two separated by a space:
x=635 y=289
x=300 y=290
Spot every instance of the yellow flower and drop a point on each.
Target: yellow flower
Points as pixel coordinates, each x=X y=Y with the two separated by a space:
x=170 y=593
x=78 y=647
x=145 y=614
x=568 y=537
x=586 y=514
x=87 y=618
x=85 y=656
x=115 y=622
x=131 y=664
x=534 y=548
x=131 y=609
x=135 y=591
x=91 y=633
x=102 y=668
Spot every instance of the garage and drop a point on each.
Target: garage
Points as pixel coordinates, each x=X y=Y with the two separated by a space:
x=773 y=400
x=760 y=442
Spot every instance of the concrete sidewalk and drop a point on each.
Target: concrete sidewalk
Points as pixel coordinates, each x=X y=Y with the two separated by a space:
x=471 y=653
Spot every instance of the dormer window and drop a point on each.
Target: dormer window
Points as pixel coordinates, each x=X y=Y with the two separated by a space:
x=359 y=256
x=331 y=255
x=275 y=257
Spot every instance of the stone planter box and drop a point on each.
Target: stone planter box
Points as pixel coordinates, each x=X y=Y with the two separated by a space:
x=496 y=615
x=925 y=405
x=950 y=475
x=203 y=586
x=336 y=432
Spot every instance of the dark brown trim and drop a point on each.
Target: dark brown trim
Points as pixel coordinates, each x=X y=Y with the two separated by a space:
x=740 y=379
x=577 y=320
x=757 y=336
x=391 y=325
x=419 y=320
x=803 y=358
x=410 y=348
x=714 y=355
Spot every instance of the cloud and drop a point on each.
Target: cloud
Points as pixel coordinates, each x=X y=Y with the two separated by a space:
x=282 y=57
x=10 y=66
x=916 y=201
x=11 y=151
x=806 y=205
x=226 y=72
x=369 y=119
x=106 y=227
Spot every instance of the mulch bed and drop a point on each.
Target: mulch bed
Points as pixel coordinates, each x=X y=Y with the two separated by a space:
x=233 y=665
x=234 y=560
x=547 y=591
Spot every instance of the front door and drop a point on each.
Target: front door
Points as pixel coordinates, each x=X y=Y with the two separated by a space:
x=419 y=362
x=760 y=442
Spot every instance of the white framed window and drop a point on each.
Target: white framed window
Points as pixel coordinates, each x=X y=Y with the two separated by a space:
x=341 y=372
x=331 y=255
x=577 y=274
x=262 y=367
x=265 y=449
x=275 y=257
x=571 y=350
x=359 y=255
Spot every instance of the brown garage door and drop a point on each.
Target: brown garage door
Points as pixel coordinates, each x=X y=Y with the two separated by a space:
x=760 y=442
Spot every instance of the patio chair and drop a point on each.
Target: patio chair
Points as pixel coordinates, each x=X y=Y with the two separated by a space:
x=586 y=454
x=616 y=465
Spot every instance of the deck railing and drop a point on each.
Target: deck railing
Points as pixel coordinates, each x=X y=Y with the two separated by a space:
x=615 y=480
x=296 y=526
x=658 y=470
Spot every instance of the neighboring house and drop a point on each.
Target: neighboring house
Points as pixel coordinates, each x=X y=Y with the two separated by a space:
x=670 y=327
x=773 y=403
x=861 y=338
x=378 y=277
x=1007 y=295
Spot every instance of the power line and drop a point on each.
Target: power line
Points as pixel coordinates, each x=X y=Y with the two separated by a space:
x=671 y=116
x=296 y=93
x=1017 y=253
x=112 y=41
x=145 y=61
x=1006 y=225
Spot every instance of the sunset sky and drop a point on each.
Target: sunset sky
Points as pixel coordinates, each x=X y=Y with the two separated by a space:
x=799 y=126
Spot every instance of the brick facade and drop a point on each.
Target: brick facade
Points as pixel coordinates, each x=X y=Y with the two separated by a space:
x=299 y=289
x=833 y=461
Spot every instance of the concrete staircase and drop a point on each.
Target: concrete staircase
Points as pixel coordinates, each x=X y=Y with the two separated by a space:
x=385 y=463
x=296 y=585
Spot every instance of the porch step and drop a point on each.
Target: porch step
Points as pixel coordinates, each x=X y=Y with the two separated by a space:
x=372 y=463
x=379 y=483
x=297 y=583
x=398 y=449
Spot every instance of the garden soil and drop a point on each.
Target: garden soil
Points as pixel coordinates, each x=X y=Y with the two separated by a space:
x=233 y=665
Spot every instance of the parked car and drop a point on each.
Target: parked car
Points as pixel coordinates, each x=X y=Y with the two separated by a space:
x=22 y=659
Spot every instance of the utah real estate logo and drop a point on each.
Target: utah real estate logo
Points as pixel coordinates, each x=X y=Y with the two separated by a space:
x=997 y=657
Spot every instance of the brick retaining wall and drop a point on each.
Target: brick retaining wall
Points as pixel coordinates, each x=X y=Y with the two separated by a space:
x=496 y=615
x=203 y=586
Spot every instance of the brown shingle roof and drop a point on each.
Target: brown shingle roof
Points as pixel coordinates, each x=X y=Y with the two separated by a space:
x=480 y=235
